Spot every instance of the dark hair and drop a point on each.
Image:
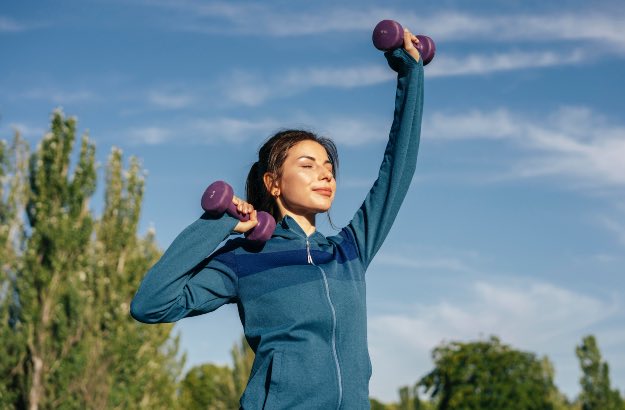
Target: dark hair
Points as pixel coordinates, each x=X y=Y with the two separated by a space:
x=271 y=157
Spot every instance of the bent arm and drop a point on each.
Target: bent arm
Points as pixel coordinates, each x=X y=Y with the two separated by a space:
x=184 y=282
x=372 y=222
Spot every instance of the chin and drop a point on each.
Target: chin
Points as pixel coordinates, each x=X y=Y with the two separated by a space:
x=324 y=208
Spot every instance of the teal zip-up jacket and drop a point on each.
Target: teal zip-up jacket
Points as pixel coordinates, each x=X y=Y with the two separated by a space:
x=301 y=299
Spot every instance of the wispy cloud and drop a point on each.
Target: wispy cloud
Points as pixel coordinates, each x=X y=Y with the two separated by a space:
x=257 y=19
x=9 y=25
x=616 y=227
x=449 y=264
x=607 y=29
x=28 y=131
x=203 y=131
x=170 y=100
x=479 y=64
x=348 y=77
x=574 y=142
x=253 y=89
x=530 y=315
x=60 y=96
x=149 y=135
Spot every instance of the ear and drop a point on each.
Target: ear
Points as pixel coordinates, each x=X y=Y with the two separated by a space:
x=271 y=184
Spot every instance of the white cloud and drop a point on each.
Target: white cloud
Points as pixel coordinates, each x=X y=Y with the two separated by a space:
x=256 y=19
x=252 y=89
x=231 y=129
x=248 y=88
x=354 y=132
x=348 y=77
x=529 y=315
x=60 y=96
x=170 y=100
x=10 y=25
x=203 y=131
x=614 y=226
x=602 y=28
x=606 y=30
x=149 y=135
x=479 y=64
x=28 y=131
x=574 y=142
x=446 y=263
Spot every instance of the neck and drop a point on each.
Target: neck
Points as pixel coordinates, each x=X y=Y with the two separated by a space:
x=306 y=222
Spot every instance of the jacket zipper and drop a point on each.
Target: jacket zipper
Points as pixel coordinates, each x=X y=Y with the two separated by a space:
x=327 y=288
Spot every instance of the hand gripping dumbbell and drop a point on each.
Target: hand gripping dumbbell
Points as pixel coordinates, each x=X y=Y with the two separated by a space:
x=389 y=35
x=217 y=199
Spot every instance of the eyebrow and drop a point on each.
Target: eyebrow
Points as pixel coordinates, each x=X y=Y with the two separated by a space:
x=313 y=158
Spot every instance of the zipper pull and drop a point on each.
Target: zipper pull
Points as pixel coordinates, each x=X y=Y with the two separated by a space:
x=308 y=252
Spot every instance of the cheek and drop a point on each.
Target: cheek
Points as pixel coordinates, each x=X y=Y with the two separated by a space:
x=294 y=182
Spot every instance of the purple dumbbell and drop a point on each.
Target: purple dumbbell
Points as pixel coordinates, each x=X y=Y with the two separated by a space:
x=217 y=199
x=389 y=35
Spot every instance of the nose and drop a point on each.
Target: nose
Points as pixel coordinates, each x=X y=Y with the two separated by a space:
x=326 y=174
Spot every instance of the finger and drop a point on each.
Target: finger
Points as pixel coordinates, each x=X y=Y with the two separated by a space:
x=247 y=225
x=408 y=44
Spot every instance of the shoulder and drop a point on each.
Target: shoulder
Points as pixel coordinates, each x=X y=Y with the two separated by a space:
x=345 y=243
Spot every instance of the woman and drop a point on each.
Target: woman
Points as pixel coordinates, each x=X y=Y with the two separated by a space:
x=300 y=295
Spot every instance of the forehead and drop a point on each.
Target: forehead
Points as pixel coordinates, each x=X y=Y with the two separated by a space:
x=308 y=148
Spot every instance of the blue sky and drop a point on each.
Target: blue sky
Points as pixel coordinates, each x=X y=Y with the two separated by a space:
x=515 y=221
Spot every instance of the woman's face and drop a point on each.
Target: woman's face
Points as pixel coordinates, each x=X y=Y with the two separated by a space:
x=306 y=185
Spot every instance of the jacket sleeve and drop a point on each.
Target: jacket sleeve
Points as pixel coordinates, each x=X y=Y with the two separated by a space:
x=186 y=281
x=372 y=222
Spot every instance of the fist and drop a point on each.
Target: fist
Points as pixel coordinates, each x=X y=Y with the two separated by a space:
x=409 y=44
x=245 y=208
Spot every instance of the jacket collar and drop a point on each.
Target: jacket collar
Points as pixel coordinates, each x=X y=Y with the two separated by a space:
x=289 y=228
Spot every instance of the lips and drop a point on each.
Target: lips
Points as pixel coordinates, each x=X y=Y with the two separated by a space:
x=324 y=191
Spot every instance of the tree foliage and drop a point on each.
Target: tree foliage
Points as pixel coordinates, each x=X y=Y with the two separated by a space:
x=488 y=375
x=67 y=279
x=218 y=387
x=595 y=381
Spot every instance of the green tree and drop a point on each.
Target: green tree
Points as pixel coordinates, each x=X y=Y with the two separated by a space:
x=208 y=386
x=378 y=405
x=139 y=360
x=67 y=278
x=595 y=381
x=218 y=387
x=487 y=375
x=242 y=361
x=13 y=195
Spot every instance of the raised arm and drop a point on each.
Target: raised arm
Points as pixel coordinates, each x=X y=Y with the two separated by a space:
x=375 y=217
x=185 y=281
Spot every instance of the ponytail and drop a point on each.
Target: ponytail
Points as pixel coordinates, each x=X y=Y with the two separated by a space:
x=256 y=192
